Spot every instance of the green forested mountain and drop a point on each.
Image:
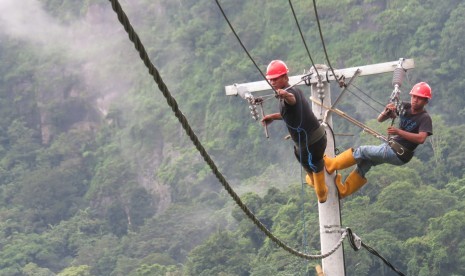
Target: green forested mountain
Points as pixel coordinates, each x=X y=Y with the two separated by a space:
x=97 y=177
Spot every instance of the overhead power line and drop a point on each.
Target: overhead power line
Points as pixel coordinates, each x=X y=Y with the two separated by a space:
x=302 y=36
x=242 y=44
x=321 y=37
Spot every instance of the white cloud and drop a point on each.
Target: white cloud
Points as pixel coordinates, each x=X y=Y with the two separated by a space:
x=26 y=19
x=95 y=45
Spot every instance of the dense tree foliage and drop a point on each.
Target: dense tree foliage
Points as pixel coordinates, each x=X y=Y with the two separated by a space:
x=98 y=178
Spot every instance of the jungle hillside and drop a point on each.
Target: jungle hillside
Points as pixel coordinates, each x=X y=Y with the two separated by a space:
x=99 y=178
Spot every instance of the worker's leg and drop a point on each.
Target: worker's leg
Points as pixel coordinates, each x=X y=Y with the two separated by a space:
x=341 y=161
x=309 y=179
x=321 y=189
x=311 y=159
x=366 y=157
x=317 y=150
x=369 y=156
x=353 y=182
x=307 y=168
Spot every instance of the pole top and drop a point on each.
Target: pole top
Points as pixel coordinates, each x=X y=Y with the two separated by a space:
x=326 y=75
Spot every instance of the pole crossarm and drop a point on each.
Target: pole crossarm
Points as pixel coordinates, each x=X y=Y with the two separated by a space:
x=232 y=90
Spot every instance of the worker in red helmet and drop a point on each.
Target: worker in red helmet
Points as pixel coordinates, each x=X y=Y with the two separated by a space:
x=415 y=125
x=303 y=126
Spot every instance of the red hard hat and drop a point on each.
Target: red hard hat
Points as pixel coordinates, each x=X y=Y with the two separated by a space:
x=421 y=89
x=275 y=69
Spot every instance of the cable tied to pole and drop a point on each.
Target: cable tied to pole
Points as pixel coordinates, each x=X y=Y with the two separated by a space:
x=182 y=119
x=356 y=243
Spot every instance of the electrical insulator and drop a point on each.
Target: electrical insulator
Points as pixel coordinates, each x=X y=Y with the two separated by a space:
x=253 y=112
x=320 y=90
x=397 y=80
x=399 y=73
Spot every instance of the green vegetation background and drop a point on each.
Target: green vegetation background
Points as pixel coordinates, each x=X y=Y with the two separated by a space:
x=97 y=176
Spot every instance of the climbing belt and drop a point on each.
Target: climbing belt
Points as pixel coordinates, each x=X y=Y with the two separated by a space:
x=182 y=119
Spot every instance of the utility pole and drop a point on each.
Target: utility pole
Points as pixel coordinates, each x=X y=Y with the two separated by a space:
x=329 y=212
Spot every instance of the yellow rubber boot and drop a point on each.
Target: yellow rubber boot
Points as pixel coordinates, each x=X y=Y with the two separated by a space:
x=320 y=186
x=353 y=182
x=309 y=180
x=342 y=161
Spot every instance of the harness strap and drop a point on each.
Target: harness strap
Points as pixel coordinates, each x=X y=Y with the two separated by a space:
x=402 y=152
x=317 y=135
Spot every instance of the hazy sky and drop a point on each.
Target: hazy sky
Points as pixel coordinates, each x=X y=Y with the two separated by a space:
x=96 y=45
x=27 y=20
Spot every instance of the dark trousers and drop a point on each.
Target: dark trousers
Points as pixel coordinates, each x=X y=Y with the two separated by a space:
x=316 y=151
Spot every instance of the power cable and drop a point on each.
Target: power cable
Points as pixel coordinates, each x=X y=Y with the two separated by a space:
x=356 y=243
x=366 y=94
x=189 y=131
x=363 y=100
x=322 y=40
x=242 y=45
x=303 y=39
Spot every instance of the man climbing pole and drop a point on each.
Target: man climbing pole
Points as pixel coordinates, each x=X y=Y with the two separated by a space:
x=415 y=126
x=303 y=126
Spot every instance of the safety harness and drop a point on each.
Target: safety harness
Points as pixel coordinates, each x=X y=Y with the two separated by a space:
x=402 y=152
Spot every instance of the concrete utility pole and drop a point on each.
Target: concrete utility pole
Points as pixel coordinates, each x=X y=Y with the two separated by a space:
x=329 y=212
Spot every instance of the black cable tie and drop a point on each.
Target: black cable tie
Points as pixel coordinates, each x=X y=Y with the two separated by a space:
x=307 y=78
x=352 y=241
x=342 y=82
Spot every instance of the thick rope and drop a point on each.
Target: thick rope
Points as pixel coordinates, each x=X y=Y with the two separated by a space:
x=182 y=119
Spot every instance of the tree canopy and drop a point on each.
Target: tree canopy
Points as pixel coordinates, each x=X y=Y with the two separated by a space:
x=97 y=177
